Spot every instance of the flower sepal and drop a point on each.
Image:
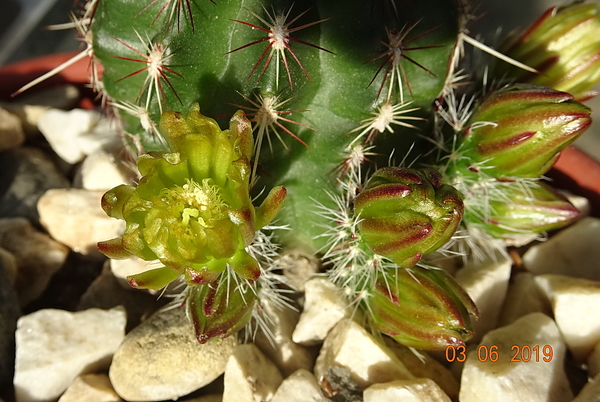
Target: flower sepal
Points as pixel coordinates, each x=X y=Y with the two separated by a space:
x=221 y=308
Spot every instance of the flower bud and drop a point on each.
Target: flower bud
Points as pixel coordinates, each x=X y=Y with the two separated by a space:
x=220 y=308
x=519 y=131
x=564 y=46
x=407 y=213
x=191 y=208
x=519 y=211
x=421 y=308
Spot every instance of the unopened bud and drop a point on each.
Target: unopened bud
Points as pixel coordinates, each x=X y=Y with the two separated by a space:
x=407 y=213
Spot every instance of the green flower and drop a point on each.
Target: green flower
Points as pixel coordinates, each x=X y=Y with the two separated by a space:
x=519 y=211
x=563 y=45
x=519 y=131
x=421 y=308
x=407 y=213
x=191 y=209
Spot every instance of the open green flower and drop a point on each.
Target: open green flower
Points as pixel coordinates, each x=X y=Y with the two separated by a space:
x=421 y=308
x=191 y=209
x=563 y=45
x=407 y=213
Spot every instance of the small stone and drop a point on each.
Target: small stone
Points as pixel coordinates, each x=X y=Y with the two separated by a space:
x=162 y=359
x=55 y=346
x=106 y=292
x=576 y=306
x=128 y=266
x=77 y=133
x=422 y=365
x=90 y=388
x=486 y=283
x=74 y=217
x=417 y=390
x=301 y=386
x=250 y=376
x=573 y=252
x=523 y=297
x=26 y=174
x=278 y=344
x=590 y=392
x=38 y=256
x=134 y=265
x=324 y=307
x=537 y=376
x=350 y=346
x=10 y=265
x=205 y=398
x=11 y=130
x=298 y=268
x=100 y=171
x=593 y=362
x=9 y=314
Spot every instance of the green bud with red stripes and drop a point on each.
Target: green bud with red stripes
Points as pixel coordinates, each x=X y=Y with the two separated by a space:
x=519 y=131
x=407 y=213
x=421 y=308
x=516 y=211
x=220 y=308
x=563 y=45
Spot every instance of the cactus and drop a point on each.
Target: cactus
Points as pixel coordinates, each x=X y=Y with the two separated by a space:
x=332 y=90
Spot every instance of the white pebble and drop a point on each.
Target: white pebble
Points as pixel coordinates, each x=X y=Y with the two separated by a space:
x=37 y=256
x=250 y=376
x=417 y=390
x=162 y=359
x=486 y=283
x=55 y=346
x=531 y=378
x=100 y=171
x=74 y=217
x=350 y=346
x=573 y=251
x=301 y=386
x=76 y=133
x=324 y=307
x=278 y=344
x=90 y=388
x=523 y=297
x=576 y=306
